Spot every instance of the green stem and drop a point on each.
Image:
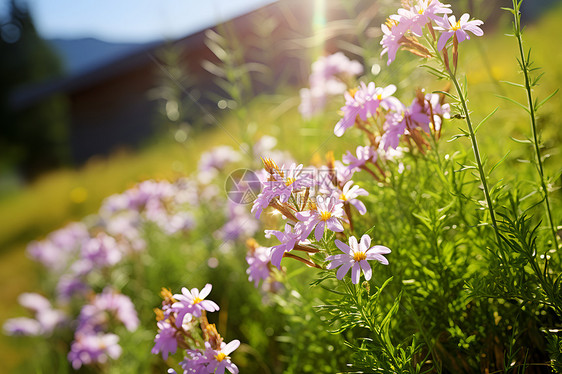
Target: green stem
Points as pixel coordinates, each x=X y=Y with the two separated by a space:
x=462 y=99
x=525 y=68
x=476 y=154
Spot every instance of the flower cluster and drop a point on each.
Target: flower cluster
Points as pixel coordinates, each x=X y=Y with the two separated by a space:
x=402 y=30
x=387 y=122
x=84 y=258
x=315 y=205
x=384 y=119
x=46 y=318
x=77 y=251
x=330 y=76
x=181 y=322
x=92 y=343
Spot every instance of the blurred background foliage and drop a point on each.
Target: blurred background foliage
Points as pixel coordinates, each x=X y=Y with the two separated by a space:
x=34 y=139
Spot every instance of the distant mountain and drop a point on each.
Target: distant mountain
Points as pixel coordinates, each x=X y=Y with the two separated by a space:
x=81 y=55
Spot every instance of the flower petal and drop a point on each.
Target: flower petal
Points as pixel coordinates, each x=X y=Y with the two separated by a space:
x=231 y=347
x=205 y=291
x=366 y=269
x=343 y=247
x=353 y=244
x=343 y=270
x=319 y=231
x=334 y=225
x=355 y=273
x=365 y=243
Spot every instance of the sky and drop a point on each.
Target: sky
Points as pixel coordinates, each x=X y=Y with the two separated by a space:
x=130 y=20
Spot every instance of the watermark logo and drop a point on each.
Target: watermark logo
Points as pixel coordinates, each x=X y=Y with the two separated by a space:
x=242 y=186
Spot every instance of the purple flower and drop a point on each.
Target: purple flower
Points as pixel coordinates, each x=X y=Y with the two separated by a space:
x=215 y=160
x=451 y=27
x=327 y=214
x=149 y=190
x=418 y=115
x=349 y=195
x=46 y=319
x=325 y=81
x=364 y=103
x=165 y=340
x=88 y=349
x=354 y=106
x=439 y=110
x=239 y=223
x=312 y=101
x=393 y=32
x=50 y=319
x=293 y=179
x=59 y=247
x=93 y=316
x=69 y=285
x=125 y=226
x=114 y=203
x=262 y=201
x=288 y=238
x=376 y=97
x=422 y=13
x=397 y=123
x=102 y=250
x=181 y=221
x=34 y=301
x=409 y=20
x=193 y=302
x=282 y=183
x=22 y=326
x=219 y=359
x=343 y=173
x=195 y=363
x=327 y=68
x=355 y=257
x=364 y=154
x=258 y=261
x=394 y=128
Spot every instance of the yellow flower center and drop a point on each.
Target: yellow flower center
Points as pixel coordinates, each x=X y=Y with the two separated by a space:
x=390 y=23
x=379 y=97
x=197 y=300
x=343 y=197
x=324 y=216
x=289 y=181
x=221 y=356
x=353 y=91
x=359 y=256
x=457 y=26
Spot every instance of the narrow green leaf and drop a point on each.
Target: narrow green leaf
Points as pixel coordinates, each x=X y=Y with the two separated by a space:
x=527 y=141
x=514 y=102
x=425 y=220
x=466 y=167
x=485 y=119
x=513 y=84
x=545 y=100
x=537 y=78
x=447 y=94
x=499 y=163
